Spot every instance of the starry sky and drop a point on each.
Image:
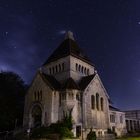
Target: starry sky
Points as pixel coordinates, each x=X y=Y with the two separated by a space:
x=107 y=30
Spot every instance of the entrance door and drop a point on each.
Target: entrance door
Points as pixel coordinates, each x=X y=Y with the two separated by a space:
x=37 y=116
x=78 y=131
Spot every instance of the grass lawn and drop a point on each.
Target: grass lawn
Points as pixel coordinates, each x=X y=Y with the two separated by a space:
x=131 y=138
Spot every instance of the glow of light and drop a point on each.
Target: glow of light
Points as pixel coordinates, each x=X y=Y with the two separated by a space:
x=62 y=32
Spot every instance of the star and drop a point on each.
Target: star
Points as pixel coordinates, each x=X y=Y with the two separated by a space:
x=6 y=33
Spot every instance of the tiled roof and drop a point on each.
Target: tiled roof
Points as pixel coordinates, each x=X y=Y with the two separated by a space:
x=85 y=81
x=68 y=47
x=70 y=84
x=113 y=108
x=51 y=81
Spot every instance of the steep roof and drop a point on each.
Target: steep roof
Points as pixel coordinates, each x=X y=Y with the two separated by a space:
x=51 y=81
x=85 y=81
x=70 y=84
x=68 y=47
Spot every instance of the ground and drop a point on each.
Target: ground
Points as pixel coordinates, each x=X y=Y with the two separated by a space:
x=130 y=138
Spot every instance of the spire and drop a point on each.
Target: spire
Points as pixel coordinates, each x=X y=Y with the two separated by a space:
x=69 y=35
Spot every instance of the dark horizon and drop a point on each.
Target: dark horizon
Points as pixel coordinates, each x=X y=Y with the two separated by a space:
x=108 y=31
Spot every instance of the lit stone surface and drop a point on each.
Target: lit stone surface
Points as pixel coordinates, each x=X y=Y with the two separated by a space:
x=70 y=83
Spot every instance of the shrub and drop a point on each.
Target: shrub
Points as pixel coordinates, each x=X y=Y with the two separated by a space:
x=65 y=132
x=63 y=129
x=109 y=131
x=41 y=132
x=91 y=135
x=58 y=128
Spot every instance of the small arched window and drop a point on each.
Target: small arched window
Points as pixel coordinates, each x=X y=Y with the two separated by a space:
x=77 y=97
x=79 y=68
x=85 y=71
x=38 y=94
x=71 y=96
x=50 y=70
x=56 y=69
x=53 y=70
x=63 y=96
x=97 y=101
x=76 y=67
x=92 y=101
x=59 y=68
x=82 y=69
x=102 y=104
x=62 y=66
x=35 y=95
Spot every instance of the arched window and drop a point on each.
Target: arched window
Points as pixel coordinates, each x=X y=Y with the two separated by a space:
x=50 y=71
x=79 y=68
x=63 y=95
x=85 y=71
x=53 y=70
x=77 y=97
x=71 y=96
x=35 y=96
x=82 y=69
x=76 y=67
x=59 y=68
x=92 y=101
x=56 y=69
x=97 y=101
x=62 y=66
x=40 y=94
x=102 y=104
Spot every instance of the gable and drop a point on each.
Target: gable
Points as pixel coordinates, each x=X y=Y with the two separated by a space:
x=95 y=84
x=37 y=83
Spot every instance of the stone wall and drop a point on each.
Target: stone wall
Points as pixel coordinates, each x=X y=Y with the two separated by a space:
x=75 y=74
x=119 y=124
x=45 y=102
x=69 y=68
x=95 y=118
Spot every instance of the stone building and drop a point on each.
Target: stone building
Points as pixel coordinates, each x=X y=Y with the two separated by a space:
x=68 y=83
x=117 y=121
x=132 y=120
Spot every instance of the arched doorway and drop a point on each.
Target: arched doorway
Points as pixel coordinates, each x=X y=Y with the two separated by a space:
x=37 y=116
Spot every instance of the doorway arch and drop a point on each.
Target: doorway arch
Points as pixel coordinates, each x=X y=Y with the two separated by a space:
x=37 y=116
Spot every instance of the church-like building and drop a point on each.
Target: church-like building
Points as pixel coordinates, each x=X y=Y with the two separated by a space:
x=68 y=83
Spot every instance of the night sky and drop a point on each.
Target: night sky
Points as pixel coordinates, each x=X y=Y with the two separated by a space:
x=107 y=30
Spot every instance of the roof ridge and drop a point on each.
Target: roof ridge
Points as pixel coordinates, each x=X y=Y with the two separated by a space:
x=68 y=47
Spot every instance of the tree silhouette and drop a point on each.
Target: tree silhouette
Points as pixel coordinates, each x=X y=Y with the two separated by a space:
x=12 y=92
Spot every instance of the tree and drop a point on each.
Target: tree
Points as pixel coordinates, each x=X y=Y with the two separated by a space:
x=12 y=92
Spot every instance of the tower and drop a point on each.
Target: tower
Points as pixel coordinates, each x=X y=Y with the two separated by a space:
x=68 y=61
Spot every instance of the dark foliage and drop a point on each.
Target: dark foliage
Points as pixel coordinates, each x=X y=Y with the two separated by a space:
x=63 y=129
x=91 y=135
x=67 y=122
x=12 y=92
